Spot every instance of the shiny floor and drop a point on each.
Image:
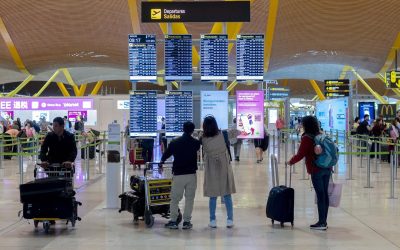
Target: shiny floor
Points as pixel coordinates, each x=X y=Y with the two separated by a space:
x=366 y=218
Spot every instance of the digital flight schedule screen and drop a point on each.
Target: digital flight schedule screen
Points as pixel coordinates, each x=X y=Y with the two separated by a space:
x=178 y=110
x=214 y=57
x=250 y=57
x=178 y=57
x=142 y=57
x=143 y=114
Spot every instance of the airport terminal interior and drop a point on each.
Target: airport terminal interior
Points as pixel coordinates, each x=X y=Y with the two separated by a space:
x=95 y=94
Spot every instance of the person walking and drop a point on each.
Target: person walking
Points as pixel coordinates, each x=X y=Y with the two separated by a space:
x=234 y=141
x=319 y=176
x=218 y=173
x=184 y=149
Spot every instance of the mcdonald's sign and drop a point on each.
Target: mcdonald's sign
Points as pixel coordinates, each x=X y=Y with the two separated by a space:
x=388 y=111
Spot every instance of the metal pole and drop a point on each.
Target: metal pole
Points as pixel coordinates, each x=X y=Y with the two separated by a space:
x=351 y=161
x=123 y=174
x=392 y=167
x=361 y=156
x=273 y=142
x=100 y=159
x=87 y=161
x=279 y=149
x=376 y=156
x=20 y=162
x=368 y=168
x=396 y=161
x=286 y=151
x=273 y=170
x=104 y=142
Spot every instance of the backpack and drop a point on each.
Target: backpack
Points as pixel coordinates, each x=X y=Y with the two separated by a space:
x=330 y=152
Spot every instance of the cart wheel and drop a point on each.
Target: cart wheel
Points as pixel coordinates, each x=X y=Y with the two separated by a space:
x=46 y=226
x=273 y=222
x=282 y=224
x=179 y=219
x=148 y=218
x=36 y=223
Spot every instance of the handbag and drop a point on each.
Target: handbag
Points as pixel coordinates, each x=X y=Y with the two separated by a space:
x=334 y=193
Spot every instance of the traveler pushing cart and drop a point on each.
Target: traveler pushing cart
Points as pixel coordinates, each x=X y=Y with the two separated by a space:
x=50 y=197
x=150 y=195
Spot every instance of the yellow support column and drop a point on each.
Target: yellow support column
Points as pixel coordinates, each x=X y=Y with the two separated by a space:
x=63 y=89
x=269 y=34
x=21 y=86
x=97 y=88
x=317 y=90
x=11 y=48
x=376 y=95
x=47 y=84
x=134 y=16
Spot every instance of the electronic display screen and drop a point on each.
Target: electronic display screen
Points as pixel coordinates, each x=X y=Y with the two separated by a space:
x=215 y=103
x=178 y=110
x=178 y=57
x=250 y=57
x=143 y=114
x=214 y=57
x=142 y=57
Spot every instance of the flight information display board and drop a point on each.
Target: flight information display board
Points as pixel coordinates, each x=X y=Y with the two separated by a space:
x=250 y=57
x=214 y=57
x=142 y=57
x=178 y=57
x=178 y=110
x=337 y=88
x=143 y=114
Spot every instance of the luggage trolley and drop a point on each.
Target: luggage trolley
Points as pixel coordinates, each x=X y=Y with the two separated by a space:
x=157 y=191
x=48 y=210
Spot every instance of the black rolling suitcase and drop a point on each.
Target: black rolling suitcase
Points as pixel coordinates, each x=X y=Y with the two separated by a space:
x=60 y=208
x=46 y=189
x=280 y=204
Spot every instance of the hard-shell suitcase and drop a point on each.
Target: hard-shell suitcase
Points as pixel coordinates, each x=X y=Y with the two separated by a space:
x=60 y=208
x=280 y=204
x=46 y=189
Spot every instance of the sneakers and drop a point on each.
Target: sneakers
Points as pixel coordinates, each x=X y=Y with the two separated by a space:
x=319 y=226
x=213 y=224
x=229 y=223
x=237 y=159
x=171 y=225
x=187 y=225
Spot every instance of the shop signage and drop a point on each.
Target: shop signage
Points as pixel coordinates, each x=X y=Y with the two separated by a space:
x=204 y=11
x=46 y=104
x=393 y=79
x=388 y=111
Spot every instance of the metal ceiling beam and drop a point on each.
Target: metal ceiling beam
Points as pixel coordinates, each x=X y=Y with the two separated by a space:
x=232 y=85
x=63 y=89
x=269 y=33
x=12 y=49
x=20 y=86
x=68 y=77
x=375 y=94
x=47 y=83
x=392 y=54
x=345 y=69
x=133 y=10
x=80 y=91
x=97 y=88
x=317 y=90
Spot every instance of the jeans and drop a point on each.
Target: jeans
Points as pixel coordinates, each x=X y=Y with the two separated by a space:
x=228 y=205
x=236 y=149
x=320 y=182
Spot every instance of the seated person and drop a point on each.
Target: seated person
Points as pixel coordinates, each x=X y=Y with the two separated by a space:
x=59 y=146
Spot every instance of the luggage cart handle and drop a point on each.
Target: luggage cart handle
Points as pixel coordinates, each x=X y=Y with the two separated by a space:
x=149 y=165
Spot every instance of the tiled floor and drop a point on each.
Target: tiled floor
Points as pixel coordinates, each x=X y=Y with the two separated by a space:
x=366 y=219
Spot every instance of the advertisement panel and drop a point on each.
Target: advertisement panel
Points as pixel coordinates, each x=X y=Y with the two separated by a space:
x=333 y=114
x=388 y=111
x=72 y=115
x=7 y=115
x=215 y=103
x=366 y=108
x=46 y=104
x=250 y=114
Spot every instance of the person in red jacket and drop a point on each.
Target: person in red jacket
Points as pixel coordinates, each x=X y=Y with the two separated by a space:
x=319 y=176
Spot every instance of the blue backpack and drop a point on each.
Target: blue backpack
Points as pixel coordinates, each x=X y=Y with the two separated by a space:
x=330 y=153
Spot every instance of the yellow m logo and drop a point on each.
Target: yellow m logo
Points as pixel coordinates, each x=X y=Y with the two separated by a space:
x=385 y=110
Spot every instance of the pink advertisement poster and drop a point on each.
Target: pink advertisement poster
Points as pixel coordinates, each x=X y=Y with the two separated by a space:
x=72 y=115
x=7 y=114
x=250 y=114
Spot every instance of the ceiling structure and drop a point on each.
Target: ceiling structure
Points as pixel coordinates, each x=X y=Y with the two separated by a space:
x=309 y=39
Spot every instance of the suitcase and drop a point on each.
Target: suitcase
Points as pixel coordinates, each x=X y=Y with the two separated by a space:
x=280 y=204
x=135 y=156
x=46 y=189
x=59 y=208
x=128 y=201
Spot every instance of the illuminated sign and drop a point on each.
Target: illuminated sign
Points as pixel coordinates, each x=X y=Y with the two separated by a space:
x=204 y=11
x=388 y=111
x=277 y=94
x=337 y=88
x=393 y=79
